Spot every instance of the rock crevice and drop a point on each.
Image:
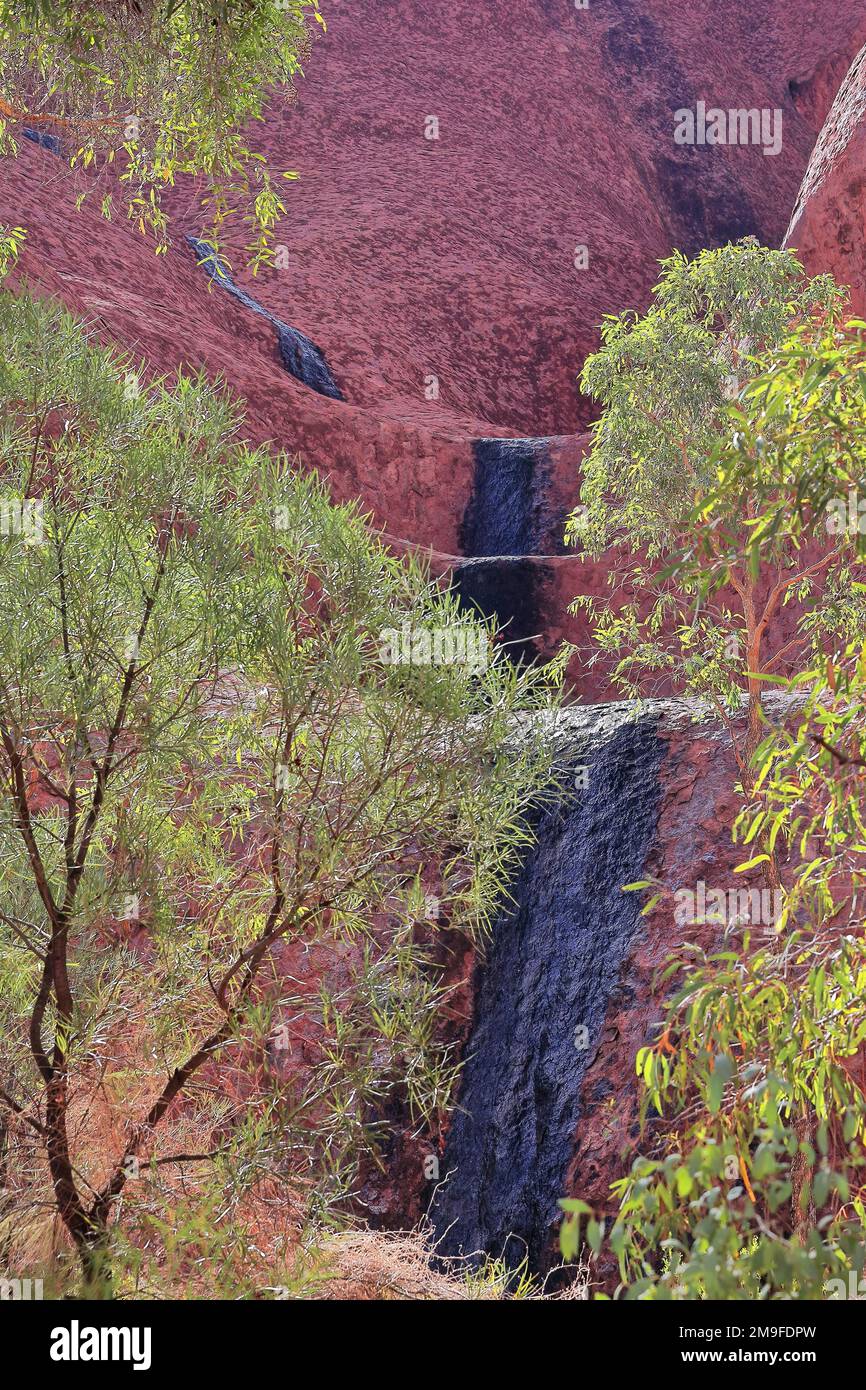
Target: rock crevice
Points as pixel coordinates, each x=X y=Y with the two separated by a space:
x=543 y=996
x=303 y=359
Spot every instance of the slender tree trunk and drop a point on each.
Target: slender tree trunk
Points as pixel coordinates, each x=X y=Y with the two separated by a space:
x=802 y=1207
x=5 y=1201
x=754 y=714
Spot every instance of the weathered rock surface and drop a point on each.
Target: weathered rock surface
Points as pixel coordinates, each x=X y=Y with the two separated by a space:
x=409 y=258
x=544 y=996
x=162 y=310
x=455 y=257
x=828 y=228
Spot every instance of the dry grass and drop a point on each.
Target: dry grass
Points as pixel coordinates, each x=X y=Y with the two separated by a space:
x=388 y=1265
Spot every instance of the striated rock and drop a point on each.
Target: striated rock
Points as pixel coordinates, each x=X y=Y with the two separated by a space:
x=507 y=513
x=828 y=228
x=543 y=1000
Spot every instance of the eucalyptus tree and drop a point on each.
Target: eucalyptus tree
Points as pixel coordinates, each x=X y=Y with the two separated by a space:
x=750 y=1183
x=694 y=598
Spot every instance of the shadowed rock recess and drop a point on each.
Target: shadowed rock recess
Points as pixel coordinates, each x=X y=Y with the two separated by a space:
x=303 y=359
x=507 y=512
x=542 y=998
x=509 y=590
x=510 y=516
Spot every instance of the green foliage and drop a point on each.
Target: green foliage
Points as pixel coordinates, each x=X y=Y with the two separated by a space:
x=497 y=1279
x=810 y=792
x=793 y=448
x=222 y=813
x=696 y=465
x=156 y=89
x=755 y=1076
x=11 y=241
x=665 y=379
x=751 y=1184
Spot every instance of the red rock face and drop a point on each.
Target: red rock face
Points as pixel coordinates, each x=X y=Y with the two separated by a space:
x=440 y=276
x=455 y=256
x=408 y=258
x=413 y=479
x=827 y=228
x=691 y=845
